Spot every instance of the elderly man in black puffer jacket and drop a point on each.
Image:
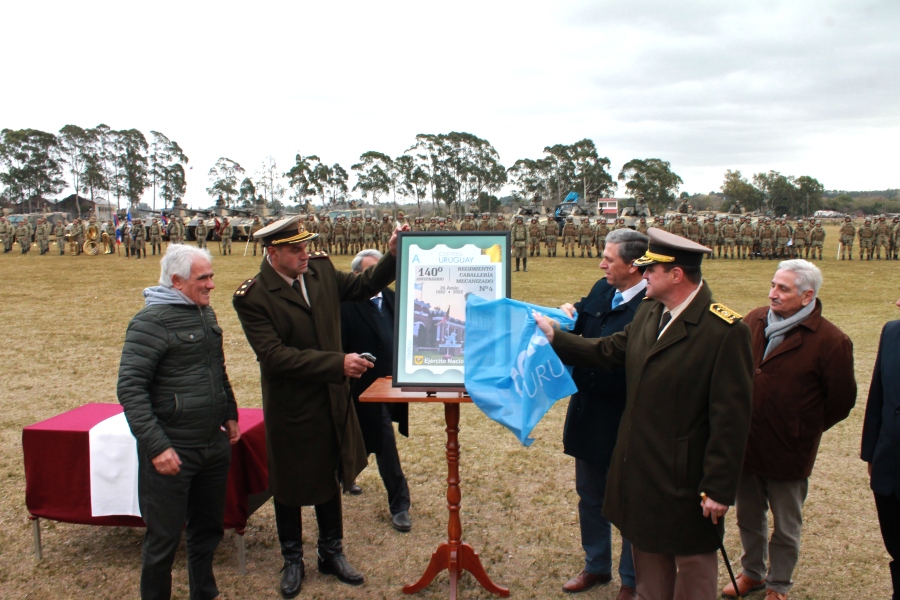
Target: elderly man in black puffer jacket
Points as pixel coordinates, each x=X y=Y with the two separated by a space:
x=180 y=407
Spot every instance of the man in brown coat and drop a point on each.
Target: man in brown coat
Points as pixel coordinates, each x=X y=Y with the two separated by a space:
x=803 y=384
x=687 y=412
x=290 y=313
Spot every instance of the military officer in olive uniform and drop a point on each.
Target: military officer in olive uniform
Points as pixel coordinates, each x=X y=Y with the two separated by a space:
x=520 y=237
x=290 y=313
x=201 y=231
x=155 y=237
x=848 y=234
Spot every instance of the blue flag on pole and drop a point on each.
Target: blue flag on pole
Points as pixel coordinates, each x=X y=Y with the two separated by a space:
x=511 y=372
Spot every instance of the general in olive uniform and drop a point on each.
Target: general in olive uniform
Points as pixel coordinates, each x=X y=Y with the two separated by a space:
x=290 y=313
x=688 y=377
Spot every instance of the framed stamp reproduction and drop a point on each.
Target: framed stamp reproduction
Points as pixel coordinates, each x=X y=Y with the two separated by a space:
x=436 y=271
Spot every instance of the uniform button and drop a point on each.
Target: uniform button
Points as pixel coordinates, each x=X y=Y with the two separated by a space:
x=758 y=371
x=191 y=336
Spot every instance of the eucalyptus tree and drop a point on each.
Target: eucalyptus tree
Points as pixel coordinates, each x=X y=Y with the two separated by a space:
x=531 y=177
x=75 y=143
x=33 y=166
x=302 y=177
x=269 y=181
x=223 y=180
x=736 y=188
x=650 y=180
x=425 y=151
x=578 y=168
x=133 y=166
x=337 y=190
x=413 y=179
x=104 y=142
x=373 y=174
x=247 y=193
x=780 y=191
x=93 y=175
x=167 y=161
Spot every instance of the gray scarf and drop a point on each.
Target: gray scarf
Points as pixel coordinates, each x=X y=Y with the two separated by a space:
x=779 y=327
x=164 y=295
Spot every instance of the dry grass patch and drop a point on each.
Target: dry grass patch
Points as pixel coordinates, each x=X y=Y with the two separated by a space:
x=65 y=320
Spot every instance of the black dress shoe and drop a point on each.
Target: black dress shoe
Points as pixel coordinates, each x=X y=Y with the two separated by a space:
x=401 y=521
x=339 y=566
x=291 y=576
x=354 y=490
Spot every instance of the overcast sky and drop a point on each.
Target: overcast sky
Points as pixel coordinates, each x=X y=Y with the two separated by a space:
x=805 y=88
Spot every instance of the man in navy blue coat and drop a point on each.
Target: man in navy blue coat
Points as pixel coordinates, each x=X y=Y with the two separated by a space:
x=881 y=442
x=594 y=412
x=368 y=326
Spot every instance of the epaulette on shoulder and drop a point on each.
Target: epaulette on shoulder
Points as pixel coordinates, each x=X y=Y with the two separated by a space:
x=725 y=313
x=244 y=288
x=645 y=298
x=319 y=254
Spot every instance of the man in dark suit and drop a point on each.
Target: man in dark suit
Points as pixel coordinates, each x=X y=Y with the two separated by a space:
x=368 y=326
x=881 y=443
x=594 y=412
x=688 y=383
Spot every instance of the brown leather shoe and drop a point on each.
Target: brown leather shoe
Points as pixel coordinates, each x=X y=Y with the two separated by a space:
x=773 y=595
x=745 y=586
x=585 y=581
x=627 y=593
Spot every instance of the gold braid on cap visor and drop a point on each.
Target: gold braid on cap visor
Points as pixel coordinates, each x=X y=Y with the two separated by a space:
x=302 y=235
x=649 y=257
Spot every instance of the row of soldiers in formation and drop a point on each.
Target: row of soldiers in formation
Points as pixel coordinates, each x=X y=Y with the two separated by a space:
x=776 y=238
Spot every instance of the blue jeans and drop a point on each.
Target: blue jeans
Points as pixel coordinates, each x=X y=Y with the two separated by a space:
x=596 y=531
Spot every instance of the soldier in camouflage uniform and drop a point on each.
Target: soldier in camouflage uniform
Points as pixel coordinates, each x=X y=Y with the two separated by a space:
x=7 y=233
x=368 y=234
x=799 y=241
x=866 y=235
x=485 y=224
x=677 y=226
x=139 y=238
x=354 y=235
x=895 y=239
x=551 y=235
x=42 y=236
x=570 y=234
x=156 y=232
x=126 y=238
x=766 y=236
x=255 y=226
x=586 y=236
x=500 y=223
x=600 y=233
x=468 y=224
x=620 y=224
x=817 y=239
x=848 y=234
x=729 y=234
x=535 y=233
x=693 y=229
x=782 y=237
x=709 y=233
x=176 y=230
x=226 y=234
x=313 y=227
x=77 y=234
x=746 y=237
x=23 y=236
x=432 y=224
x=385 y=231
x=339 y=234
x=326 y=234
x=110 y=238
x=59 y=230
x=882 y=238
x=200 y=232
x=520 y=238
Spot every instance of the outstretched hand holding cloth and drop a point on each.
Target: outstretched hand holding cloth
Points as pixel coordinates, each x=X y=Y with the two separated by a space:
x=511 y=372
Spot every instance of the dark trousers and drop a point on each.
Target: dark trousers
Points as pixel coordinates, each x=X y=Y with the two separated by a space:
x=193 y=500
x=596 y=530
x=888 y=508
x=290 y=527
x=389 y=468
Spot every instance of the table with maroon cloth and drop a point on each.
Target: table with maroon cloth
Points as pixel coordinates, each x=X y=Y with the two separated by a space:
x=57 y=471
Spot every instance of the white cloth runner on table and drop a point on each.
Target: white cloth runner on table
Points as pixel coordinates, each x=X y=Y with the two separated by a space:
x=114 y=468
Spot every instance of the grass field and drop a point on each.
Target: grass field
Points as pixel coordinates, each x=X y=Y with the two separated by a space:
x=64 y=321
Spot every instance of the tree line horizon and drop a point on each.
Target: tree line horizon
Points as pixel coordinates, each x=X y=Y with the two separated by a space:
x=456 y=170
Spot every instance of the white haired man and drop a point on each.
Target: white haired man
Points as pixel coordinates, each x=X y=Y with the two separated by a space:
x=803 y=384
x=180 y=406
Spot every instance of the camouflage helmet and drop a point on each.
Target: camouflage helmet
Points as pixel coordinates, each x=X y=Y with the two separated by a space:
x=569 y=218
x=485 y=215
x=534 y=219
x=500 y=217
x=386 y=216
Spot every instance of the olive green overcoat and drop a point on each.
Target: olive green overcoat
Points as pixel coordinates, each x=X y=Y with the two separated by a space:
x=306 y=397
x=685 y=424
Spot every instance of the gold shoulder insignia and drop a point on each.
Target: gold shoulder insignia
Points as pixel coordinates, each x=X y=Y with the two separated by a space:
x=725 y=313
x=244 y=288
x=645 y=298
x=319 y=254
